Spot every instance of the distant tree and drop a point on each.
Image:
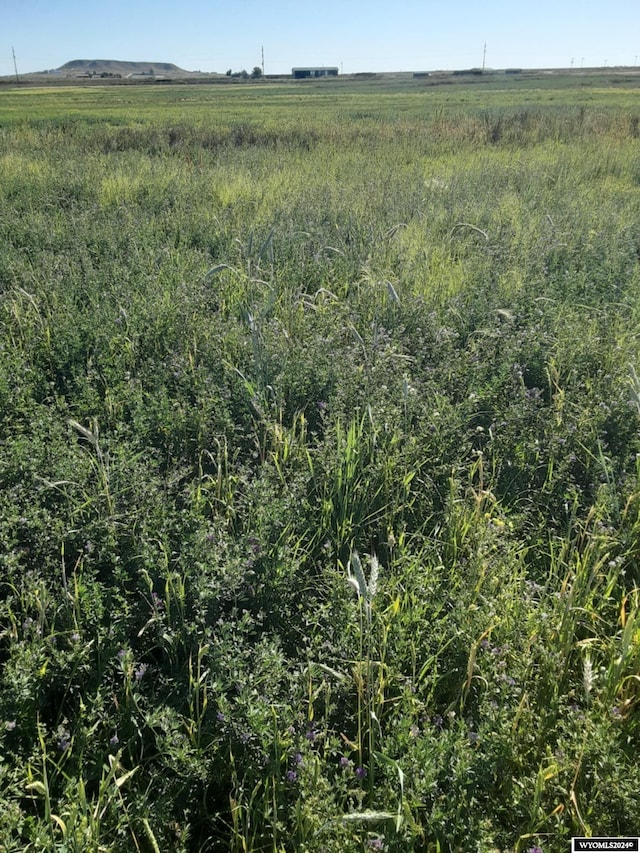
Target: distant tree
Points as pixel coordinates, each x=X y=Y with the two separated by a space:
x=244 y=74
x=229 y=72
x=257 y=72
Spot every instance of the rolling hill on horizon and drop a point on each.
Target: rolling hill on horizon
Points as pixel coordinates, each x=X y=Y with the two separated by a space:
x=114 y=66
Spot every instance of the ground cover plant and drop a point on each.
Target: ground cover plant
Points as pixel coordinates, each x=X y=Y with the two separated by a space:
x=319 y=468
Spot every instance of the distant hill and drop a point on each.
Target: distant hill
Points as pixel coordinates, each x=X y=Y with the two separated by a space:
x=114 y=66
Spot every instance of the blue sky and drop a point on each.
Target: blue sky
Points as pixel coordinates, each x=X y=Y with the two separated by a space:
x=355 y=35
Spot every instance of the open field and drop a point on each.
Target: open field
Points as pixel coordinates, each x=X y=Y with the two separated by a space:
x=319 y=467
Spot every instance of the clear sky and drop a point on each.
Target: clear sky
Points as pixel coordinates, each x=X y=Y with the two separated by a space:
x=355 y=35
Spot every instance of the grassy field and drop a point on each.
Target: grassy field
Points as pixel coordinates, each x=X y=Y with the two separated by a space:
x=319 y=468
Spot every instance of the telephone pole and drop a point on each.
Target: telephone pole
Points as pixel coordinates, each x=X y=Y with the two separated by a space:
x=263 y=60
x=15 y=64
x=484 y=56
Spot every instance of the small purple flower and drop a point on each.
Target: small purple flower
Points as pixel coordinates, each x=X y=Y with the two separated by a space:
x=64 y=740
x=245 y=737
x=311 y=735
x=220 y=717
x=115 y=740
x=297 y=759
x=474 y=737
x=75 y=637
x=344 y=762
x=438 y=722
x=291 y=776
x=157 y=602
x=121 y=655
x=9 y=725
x=361 y=773
x=375 y=844
x=535 y=849
x=140 y=671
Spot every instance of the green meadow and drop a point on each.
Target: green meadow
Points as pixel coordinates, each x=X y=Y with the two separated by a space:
x=319 y=467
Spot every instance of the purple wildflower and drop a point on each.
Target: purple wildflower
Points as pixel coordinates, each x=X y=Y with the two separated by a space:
x=361 y=773
x=291 y=776
x=140 y=671
x=64 y=740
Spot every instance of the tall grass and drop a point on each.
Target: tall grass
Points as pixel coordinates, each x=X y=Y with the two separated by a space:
x=250 y=335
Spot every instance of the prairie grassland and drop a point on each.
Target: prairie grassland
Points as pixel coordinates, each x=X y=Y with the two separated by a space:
x=319 y=468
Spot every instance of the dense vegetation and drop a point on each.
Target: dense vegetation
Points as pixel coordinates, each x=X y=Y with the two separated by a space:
x=319 y=469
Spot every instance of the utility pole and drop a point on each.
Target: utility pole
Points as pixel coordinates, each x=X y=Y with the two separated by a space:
x=484 y=56
x=15 y=64
x=263 y=60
